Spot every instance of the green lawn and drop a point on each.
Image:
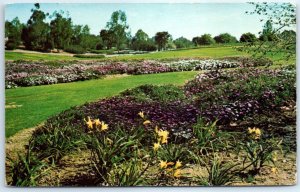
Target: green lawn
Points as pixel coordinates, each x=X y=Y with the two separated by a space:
x=40 y=102
x=202 y=52
x=36 y=56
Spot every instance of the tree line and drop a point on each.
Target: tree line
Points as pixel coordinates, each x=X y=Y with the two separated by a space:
x=62 y=34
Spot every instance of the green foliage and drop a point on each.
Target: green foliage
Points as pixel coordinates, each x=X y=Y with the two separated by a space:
x=207 y=138
x=161 y=39
x=225 y=38
x=26 y=169
x=89 y=56
x=278 y=17
x=111 y=148
x=142 y=42
x=219 y=172
x=129 y=173
x=259 y=151
x=54 y=142
x=36 y=34
x=60 y=31
x=76 y=49
x=205 y=39
x=117 y=30
x=13 y=31
x=183 y=42
x=162 y=94
x=248 y=37
x=172 y=153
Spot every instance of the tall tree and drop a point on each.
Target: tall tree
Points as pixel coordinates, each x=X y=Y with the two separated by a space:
x=140 y=40
x=108 y=38
x=36 y=34
x=61 y=31
x=13 y=31
x=161 y=39
x=118 y=28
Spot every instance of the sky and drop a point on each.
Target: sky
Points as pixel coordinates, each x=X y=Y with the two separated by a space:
x=187 y=20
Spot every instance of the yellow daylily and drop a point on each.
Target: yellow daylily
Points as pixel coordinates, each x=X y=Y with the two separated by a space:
x=163 y=136
x=163 y=164
x=104 y=126
x=178 y=164
x=147 y=122
x=170 y=163
x=141 y=114
x=89 y=123
x=274 y=170
x=177 y=173
x=254 y=132
x=97 y=122
x=156 y=146
x=156 y=129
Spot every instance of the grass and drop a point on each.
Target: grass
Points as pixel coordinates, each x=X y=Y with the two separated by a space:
x=36 y=104
x=203 y=52
x=36 y=56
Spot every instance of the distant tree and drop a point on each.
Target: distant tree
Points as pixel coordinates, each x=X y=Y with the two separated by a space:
x=161 y=39
x=289 y=37
x=248 y=37
x=36 y=34
x=13 y=31
x=268 y=33
x=61 y=31
x=183 y=42
x=118 y=28
x=170 y=44
x=278 y=17
x=140 y=40
x=206 y=39
x=196 y=41
x=107 y=38
x=225 y=38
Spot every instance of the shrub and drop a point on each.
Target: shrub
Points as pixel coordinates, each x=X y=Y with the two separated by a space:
x=89 y=56
x=76 y=49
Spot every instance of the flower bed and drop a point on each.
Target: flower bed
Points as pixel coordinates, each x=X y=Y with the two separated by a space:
x=21 y=73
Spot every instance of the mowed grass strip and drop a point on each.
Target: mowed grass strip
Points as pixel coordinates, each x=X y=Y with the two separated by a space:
x=36 y=56
x=33 y=105
x=202 y=52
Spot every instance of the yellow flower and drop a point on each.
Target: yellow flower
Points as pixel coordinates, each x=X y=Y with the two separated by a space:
x=177 y=173
x=163 y=164
x=250 y=130
x=104 y=126
x=156 y=146
x=178 y=164
x=147 y=122
x=89 y=123
x=274 y=170
x=141 y=114
x=257 y=133
x=156 y=129
x=163 y=136
x=254 y=132
x=97 y=122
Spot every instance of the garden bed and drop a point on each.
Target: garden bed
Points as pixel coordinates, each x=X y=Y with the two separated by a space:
x=225 y=127
x=23 y=73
